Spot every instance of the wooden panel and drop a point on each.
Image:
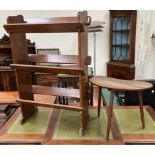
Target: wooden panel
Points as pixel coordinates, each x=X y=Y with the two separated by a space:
x=50 y=105
x=21 y=57
x=56 y=91
x=58 y=59
x=45 y=69
x=59 y=24
x=120 y=71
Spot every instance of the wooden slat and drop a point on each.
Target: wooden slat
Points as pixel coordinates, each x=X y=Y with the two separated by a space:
x=44 y=27
x=55 y=91
x=22 y=139
x=50 y=105
x=50 y=58
x=51 y=126
x=45 y=69
x=84 y=142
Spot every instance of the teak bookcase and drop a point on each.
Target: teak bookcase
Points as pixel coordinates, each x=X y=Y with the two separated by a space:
x=17 y=29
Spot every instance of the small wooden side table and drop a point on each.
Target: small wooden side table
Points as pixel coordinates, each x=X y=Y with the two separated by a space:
x=115 y=85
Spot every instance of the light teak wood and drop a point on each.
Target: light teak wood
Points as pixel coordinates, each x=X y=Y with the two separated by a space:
x=120 y=85
x=115 y=85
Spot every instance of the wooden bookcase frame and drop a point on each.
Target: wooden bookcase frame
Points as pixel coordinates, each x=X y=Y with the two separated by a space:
x=17 y=29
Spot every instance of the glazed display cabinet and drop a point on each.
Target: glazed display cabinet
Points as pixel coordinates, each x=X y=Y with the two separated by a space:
x=122 y=44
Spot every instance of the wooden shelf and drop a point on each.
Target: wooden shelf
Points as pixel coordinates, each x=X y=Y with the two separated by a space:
x=46 y=69
x=58 y=24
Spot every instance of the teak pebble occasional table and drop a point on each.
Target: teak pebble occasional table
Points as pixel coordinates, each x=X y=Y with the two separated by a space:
x=115 y=85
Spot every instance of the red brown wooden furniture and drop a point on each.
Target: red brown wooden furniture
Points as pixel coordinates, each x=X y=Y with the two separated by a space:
x=122 y=44
x=8 y=105
x=7 y=97
x=17 y=28
x=7 y=74
x=66 y=80
x=117 y=85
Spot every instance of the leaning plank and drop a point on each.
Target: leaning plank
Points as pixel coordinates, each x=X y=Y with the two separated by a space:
x=49 y=105
x=45 y=69
x=55 y=91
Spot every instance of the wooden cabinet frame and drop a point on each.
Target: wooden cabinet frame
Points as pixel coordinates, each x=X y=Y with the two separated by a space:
x=125 y=69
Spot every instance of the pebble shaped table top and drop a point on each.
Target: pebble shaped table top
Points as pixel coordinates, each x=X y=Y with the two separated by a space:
x=118 y=84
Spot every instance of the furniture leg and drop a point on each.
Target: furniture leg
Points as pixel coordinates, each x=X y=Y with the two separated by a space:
x=59 y=98
x=63 y=100
x=109 y=114
x=99 y=100
x=91 y=94
x=140 y=96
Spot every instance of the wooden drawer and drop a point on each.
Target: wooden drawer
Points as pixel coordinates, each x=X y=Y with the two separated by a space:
x=120 y=71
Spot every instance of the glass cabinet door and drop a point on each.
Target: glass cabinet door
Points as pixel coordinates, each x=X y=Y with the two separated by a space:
x=122 y=44
x=121 y=38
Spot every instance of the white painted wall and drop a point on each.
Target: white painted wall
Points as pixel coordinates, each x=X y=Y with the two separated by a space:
x=67 y=43
x=145 y=46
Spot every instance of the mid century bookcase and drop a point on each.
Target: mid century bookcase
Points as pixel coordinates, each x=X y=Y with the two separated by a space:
x=17 y=27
